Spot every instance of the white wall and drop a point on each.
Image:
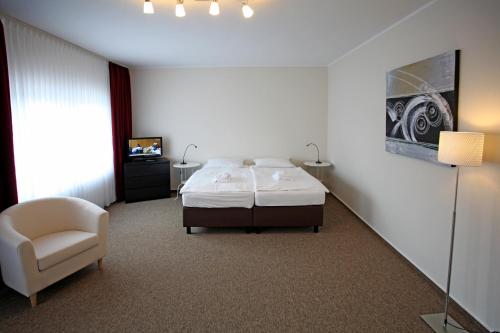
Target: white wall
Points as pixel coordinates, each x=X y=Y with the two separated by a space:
x=243 y=112
x=409 y=201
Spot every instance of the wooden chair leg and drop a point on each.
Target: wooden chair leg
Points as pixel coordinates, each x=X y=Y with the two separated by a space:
x=33 y=300
x=100 y=265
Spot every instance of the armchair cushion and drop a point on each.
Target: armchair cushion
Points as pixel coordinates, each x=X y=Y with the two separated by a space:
x=54 y=248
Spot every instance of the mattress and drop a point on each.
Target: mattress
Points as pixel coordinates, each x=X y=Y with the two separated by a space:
x=289 y=198
x=218 y=200
x=202 y=191
x=294 y=187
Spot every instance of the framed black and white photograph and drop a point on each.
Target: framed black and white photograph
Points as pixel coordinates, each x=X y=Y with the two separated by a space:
x=421 y=101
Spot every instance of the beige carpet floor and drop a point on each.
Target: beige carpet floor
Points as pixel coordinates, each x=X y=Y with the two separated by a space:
x=159 y=279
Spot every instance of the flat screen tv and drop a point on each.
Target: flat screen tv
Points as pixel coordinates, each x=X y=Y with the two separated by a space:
x=145 y=148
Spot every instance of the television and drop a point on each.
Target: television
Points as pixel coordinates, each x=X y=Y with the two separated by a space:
x=145 y=148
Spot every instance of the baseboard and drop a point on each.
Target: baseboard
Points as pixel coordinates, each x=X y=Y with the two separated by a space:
x=410 y=263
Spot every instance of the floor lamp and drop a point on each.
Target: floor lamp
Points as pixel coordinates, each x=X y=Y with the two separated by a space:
x=460 y=149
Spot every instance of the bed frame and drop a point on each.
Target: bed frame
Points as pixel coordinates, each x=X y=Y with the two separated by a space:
x=217 y=218
x=256 y=217
x=288 y=216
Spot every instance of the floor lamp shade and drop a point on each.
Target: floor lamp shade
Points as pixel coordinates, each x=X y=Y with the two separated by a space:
x=461 y=148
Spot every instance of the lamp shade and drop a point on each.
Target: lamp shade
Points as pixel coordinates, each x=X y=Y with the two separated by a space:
x=461 y=148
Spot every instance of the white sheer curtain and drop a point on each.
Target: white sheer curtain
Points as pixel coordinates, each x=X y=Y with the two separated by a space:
x=61 y=116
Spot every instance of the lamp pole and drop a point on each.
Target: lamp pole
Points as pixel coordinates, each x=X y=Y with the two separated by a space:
x=185 y=151
x=452 y=241
x=317 y=150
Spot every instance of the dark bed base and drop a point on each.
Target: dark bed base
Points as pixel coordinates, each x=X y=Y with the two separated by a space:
x=217 y=218
x=258 y=217
x=288 y=216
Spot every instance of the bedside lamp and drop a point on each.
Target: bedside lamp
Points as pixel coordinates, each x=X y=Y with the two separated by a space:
x=460 y=149
x=317 y=149
x=185 y=151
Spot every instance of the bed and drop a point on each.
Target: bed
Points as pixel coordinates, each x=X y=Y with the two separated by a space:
x=287 y=197
x=210 y=202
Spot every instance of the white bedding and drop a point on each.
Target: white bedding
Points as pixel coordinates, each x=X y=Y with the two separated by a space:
x=297 y=188
x=295 y=179
x=219 y=199
x=203 y=192
x=289 y=198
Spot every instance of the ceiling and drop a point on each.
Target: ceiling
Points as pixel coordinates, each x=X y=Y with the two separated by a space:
x=281 y=33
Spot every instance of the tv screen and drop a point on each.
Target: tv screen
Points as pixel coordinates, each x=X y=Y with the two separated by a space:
x=145 y=147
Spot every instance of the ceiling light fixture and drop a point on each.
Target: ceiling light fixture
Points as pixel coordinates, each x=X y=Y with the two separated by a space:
x=246 y=9
x=214 y=8
x=179 y=9
x=148 y=7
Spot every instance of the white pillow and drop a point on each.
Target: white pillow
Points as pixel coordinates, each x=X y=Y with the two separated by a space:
x=225 y=163
x=273 y=163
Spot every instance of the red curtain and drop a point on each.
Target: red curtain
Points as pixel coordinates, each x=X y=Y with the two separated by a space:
x=8 y=187
x=121 y=116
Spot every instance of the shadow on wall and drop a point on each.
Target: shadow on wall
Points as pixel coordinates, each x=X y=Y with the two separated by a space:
x=328 y=177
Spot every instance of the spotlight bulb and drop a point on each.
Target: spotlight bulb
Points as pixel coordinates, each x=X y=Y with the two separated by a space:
x=214 y=8
x=247 y=11
x=179 y=9
x=148 y=7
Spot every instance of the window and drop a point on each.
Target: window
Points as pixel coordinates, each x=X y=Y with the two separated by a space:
x=61 y=117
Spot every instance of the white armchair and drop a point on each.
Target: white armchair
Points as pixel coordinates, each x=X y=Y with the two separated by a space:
x=43 y=241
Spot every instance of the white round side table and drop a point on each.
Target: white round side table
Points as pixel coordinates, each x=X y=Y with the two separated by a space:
x=185 y=170
x=318 y=167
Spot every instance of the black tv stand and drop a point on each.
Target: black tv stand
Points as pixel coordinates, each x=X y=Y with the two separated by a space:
x=146 y=179
x=144 y=159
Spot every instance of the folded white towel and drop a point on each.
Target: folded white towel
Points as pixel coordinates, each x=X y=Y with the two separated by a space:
x=280 y=175
x=224 y=177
